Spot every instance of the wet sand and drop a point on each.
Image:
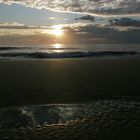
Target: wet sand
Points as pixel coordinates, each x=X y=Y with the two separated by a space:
x=67 y=80
x=113 y=119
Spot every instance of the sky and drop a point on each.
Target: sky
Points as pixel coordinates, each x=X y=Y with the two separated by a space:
x=29 y=22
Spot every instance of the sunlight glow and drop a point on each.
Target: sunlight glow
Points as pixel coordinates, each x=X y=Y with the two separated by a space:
x=57 y=31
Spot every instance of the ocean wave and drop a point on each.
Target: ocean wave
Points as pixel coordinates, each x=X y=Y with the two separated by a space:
x=34 y=48
x=9 y=48
x=77 y=54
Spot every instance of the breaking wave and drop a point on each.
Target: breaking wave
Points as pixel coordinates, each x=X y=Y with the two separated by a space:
x=77 y=54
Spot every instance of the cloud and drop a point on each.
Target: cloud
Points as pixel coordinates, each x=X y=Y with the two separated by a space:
x=73 y=33
x=19 y=34
x=125 y=22
x=15 y=25
x=97 y=7
x=14 y=28
x=89 y=33
x=87 y=17
x=52 y=18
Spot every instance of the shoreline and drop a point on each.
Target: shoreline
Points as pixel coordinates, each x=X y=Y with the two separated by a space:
x=113 y=119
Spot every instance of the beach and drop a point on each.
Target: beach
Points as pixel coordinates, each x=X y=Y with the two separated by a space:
x=69 y=70
x=70 y=80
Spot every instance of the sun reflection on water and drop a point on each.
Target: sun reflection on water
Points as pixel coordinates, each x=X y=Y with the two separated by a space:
x=58 y=48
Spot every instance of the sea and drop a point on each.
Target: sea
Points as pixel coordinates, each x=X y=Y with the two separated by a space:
x=31 y=52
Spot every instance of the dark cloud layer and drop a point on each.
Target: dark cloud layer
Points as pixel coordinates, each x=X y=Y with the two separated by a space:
x=125 y=22
x=104 y=34
x=87 y=17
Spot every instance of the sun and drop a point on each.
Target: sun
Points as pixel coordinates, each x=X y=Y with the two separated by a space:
x=57 y=31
